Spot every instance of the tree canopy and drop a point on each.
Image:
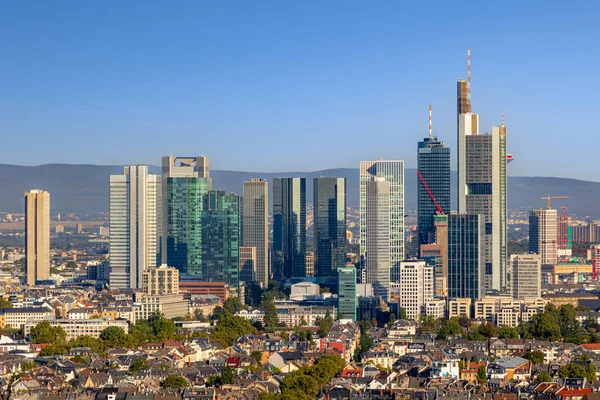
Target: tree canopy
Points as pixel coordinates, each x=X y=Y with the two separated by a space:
x=46 y=333
x=175 y=382
x=4 y=303
x=229 y=328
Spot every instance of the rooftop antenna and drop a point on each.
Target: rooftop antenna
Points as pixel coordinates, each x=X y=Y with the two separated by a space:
x=469 y=75
x=502 y=119
x=430 y=131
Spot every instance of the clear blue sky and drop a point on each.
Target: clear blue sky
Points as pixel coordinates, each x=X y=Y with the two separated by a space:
x=295 y=86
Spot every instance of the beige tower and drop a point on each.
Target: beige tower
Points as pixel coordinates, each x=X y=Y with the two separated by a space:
x=255 y=232
x=37 y=236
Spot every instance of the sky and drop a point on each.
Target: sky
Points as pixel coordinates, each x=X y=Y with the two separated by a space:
x=274 y=86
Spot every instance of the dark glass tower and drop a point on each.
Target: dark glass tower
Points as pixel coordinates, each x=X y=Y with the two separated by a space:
x=465 y=256
x=433 y=162
x=329 y=225
x=289 y=227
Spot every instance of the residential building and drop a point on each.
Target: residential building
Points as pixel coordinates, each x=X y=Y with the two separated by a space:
x=416 y=287
x=347 y=292
x=459 y=307
x=526 y=275
x=247 y=264
x=76 y=328
x=393 y=173
x=16 y=318
x=329 y=225
x=377 y=235
x=134 y=225
x=185 y=182
x=161 y=280
x=37 y=236
x=543 y=235
x=465 y=256
x=255 y=228
x=289 y=227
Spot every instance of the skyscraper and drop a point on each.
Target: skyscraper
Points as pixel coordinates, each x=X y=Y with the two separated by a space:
x=220 y=238
x=347 y=292
x=543 y=235
x=416 y=287
x=37 y=236
x=329 y=225
x=377 y=234
x=564 y=243
x=436 y=255
x=185 y=182
x=465 y=256
x=134 y=225
x=247 y=264
x=289 y=227
x=433 y=163
x=393 y=173
x=256 y=226
x=526 y=275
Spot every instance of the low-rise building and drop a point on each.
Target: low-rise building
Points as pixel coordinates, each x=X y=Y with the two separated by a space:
x=459 y=307
x=17 y=317
x=170 y=305
x=75 y=328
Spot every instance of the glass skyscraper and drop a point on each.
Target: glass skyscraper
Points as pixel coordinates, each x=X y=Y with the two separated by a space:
x=329 y=225
x=465 y=256
x=347 y=292
x=289 y=227
x=256 y=227
x=433 y=162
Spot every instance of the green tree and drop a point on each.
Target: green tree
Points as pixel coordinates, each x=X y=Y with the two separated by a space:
x=402 y=313
x=114 y=336
x=79 y=360
x=572 y=371
x=226 y=376
x=229 y=328
x=46 y=333
x=5 y=303
x=271 y=320
x=508 y=332
x=163 y=328
x=212 y=380
x=175 y=382
x=217 y=312
x=543 y=377
x=233 y=305
x=27 y=366
x=325 y=325
x=139 y=365
x=97 y=345
x=590 y=373
x=450 y=327
x=535 y=356
x=256 y=356
x=487 y=330
x=481 y=374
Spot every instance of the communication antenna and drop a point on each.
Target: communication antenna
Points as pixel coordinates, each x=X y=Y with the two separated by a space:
x=430 y=131
x=469 y=75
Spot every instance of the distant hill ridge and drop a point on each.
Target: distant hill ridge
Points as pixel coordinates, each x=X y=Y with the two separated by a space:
x=84 y=188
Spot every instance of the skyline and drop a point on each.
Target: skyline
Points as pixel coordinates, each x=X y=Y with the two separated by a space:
x=261 y=78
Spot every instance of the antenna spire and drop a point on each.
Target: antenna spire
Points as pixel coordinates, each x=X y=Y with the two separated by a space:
x=469 y=75
x=502 y=119
x=430 y=130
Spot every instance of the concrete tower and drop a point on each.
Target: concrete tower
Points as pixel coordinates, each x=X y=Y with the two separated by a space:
x=37 y=236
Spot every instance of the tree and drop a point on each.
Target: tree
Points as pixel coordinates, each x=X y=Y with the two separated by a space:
x=481 y=374
x=508 y=332
x=5 y=303
x=97 y=345
x=229 y=328
x=79 y=360
x=450 y=327
x=226 y=376
x=536 y=357
x=487 y=330
x=543 y=377
x=271 y=320
x=113 y=336
x=139 y=365
x=402 y=313
x=29 y=365
x=233 y=305
x=325 y=325
x=175 y=382
x=256 y=356
x=590 y=373
x=163 y=328
x=46 y=333
x=572 y=371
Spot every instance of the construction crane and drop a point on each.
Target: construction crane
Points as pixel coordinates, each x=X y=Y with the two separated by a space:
x=564 y=208
x=439 y=209
x=553 y=197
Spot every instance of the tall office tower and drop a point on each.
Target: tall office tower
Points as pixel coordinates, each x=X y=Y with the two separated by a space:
x=543 y=235
x=433 y=164
x=329 y=225
x=310 y=263
x=185 y=181
x=564 y=240
x=134 y=225
x=466 y=273
x=377 y=244
x=220 y=223
x=37 y=236
x=393 y=173
x=161 y=280
x=347 y=292
x=247 y=264
x=416 y=287
x=289 y=227
x=526 y=275
x=256 y=226
x=436 y=255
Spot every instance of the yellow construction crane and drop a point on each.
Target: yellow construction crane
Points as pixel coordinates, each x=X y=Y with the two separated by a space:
x=553 y=197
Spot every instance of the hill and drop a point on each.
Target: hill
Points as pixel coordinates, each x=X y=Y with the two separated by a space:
x=84 y=188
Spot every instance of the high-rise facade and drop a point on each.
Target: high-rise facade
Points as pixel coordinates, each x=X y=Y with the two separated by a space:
x=289 y=227
x=329 y=225
x=347 y=292
x=185 y=182
x=416 y=287
x=37 y=236
x=393 y=173
x=161 y=280
x=482 y=190
x=543 y=235
x=247 y=264
x=466 y=274
x=256 y=227
x=564 y=243
x=220 y=244
x=377 y=235
x=436 y=255
x=526 y=275
x=433 y=163
x=134 y=225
